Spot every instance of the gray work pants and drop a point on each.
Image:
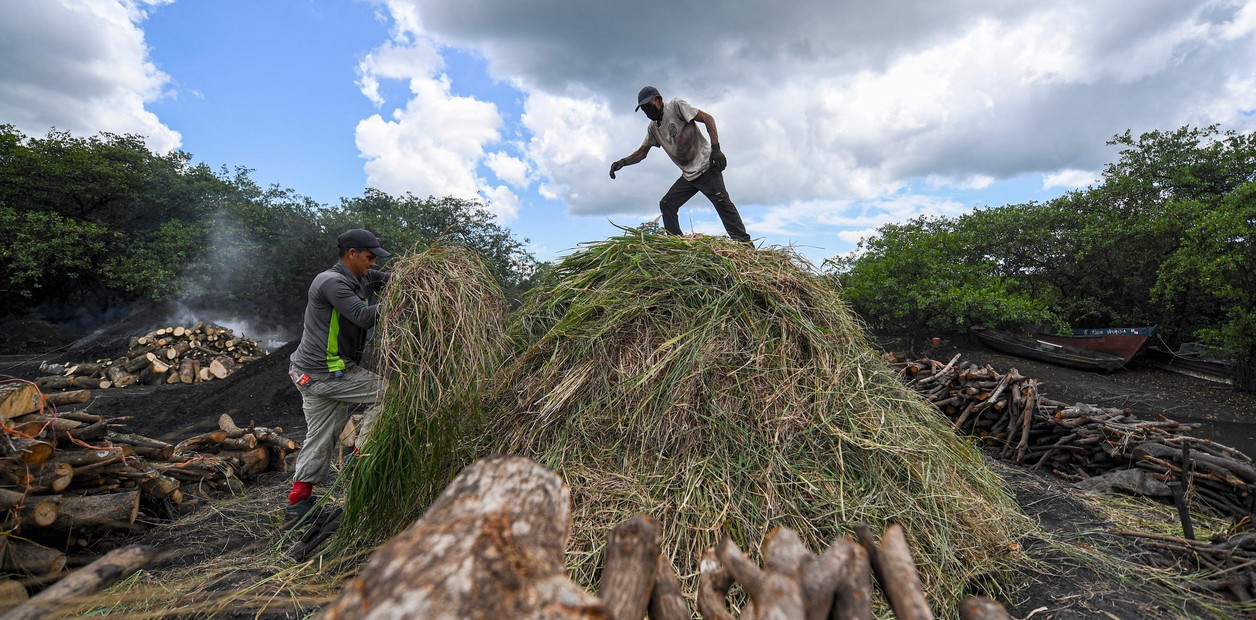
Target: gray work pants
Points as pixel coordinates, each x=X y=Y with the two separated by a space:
x=326 y=406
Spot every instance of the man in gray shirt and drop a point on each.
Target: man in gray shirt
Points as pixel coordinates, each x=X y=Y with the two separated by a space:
x=673 y=126
x=325 y=367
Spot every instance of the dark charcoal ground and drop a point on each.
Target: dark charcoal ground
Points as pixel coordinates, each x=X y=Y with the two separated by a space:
x=261 y=392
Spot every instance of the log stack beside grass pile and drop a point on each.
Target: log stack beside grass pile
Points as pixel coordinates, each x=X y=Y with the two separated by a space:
x=1077 y=441
x=168 y=355
x=70 y=477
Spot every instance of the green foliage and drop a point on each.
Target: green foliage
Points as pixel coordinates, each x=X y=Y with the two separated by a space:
x=260 y=248
x=925 y=274
x=1165 y=239
x=45 y=254
x=1216 y=265
x=110 y=222
x=150 y=268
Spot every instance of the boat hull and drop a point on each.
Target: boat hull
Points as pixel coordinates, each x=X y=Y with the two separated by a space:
x=1052 y=353
x=1124 y=342
x=1193 y=365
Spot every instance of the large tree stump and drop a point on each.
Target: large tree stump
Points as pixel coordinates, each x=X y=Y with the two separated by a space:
x=491 y=546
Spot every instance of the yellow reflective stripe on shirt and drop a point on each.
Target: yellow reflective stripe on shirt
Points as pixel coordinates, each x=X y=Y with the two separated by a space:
x=334 y=363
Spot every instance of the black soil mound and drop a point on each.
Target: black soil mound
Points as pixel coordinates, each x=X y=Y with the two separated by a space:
x=260 y=392
x=30 y=336
x=114 y=340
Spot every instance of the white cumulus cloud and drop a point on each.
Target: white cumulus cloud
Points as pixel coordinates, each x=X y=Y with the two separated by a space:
x=81 y=67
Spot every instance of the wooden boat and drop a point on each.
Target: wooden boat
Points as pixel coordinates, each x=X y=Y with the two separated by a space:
x=1193 y=361
x=1125 y=342
x=1050 y=352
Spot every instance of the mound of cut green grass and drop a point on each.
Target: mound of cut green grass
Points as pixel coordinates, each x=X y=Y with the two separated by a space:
x=440 y=334
x=728 y=390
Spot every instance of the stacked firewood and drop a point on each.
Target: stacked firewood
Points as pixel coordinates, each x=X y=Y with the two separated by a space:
x=68 y=476
x=174 y=354
x=1223 y=564
x=503 y=525
x=1017 y=423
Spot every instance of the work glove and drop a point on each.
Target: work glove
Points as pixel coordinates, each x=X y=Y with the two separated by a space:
x=718 y=161
x=615 y=166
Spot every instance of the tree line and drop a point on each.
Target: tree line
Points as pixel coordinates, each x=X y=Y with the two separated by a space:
x=101 y=222
x=1167 y=237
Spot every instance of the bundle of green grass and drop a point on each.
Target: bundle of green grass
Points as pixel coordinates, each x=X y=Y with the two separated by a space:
x=724 y=389
x=440 y=335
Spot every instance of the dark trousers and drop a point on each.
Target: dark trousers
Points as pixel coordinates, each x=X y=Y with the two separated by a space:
x=711 y=184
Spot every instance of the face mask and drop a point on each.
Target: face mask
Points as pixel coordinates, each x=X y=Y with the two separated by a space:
x=652 y=112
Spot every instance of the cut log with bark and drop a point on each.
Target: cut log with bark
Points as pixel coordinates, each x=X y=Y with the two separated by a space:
x=108 y=510
x=667 y=602
x=12 y=594
x=28 y=511
x=714 y=582
x=773 y=593
x=18 y=398
x=28 y=451
x=40 y=479
x=200 y=442
x=630 y=567
x=75 y=588
x=982 y=608
x=505 y=521
x=146 y=447
x=29 y=558
x=73 y=397
x=896 y=572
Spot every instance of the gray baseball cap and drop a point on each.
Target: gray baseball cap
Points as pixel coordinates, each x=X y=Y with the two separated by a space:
x=644 y=97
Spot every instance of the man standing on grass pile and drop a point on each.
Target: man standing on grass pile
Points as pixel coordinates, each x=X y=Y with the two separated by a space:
x=325 y=367
x=673 y=126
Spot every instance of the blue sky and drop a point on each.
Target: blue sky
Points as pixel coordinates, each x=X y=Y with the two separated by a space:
x=836 y=116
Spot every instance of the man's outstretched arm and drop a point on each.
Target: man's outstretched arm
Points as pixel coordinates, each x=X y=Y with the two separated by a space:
x=634 y=158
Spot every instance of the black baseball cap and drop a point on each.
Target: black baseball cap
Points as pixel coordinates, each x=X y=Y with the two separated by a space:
x=644 y=97
x=360 y=238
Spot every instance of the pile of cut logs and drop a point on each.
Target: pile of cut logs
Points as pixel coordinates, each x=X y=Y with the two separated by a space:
x=175 y=354
x=1223 y=565
x=67 y=477
x=1078 y=441
x=503 y=524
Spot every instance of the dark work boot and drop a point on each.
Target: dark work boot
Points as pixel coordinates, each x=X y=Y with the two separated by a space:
x=293 y=513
